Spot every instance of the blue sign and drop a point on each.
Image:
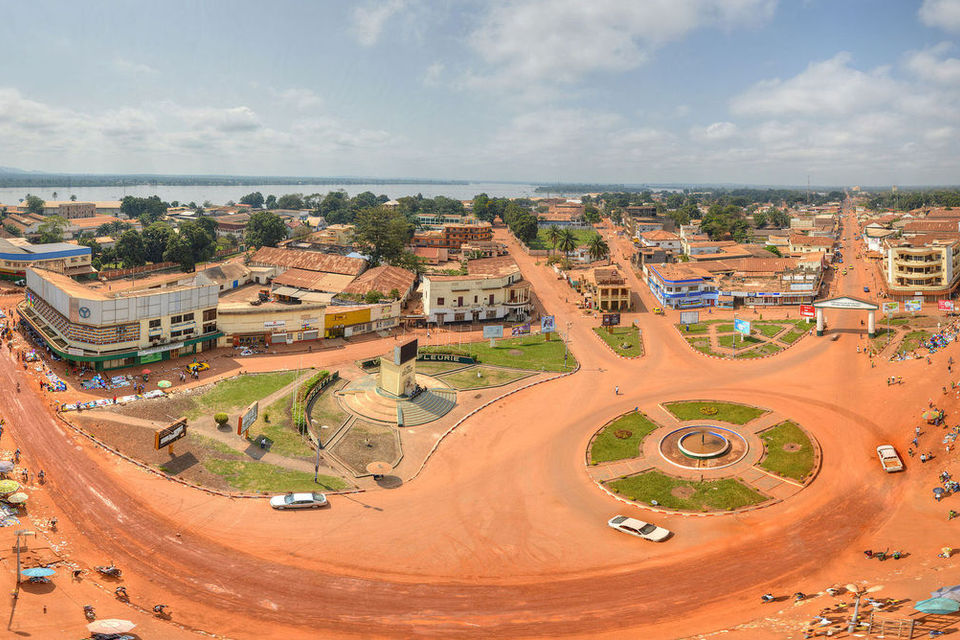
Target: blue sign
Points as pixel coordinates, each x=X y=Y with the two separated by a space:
x=741 y=326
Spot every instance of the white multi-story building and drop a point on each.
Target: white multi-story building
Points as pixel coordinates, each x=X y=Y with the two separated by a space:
x=492 y=289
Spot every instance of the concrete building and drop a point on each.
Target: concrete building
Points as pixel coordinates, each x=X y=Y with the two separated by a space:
x=493 y=289
x=661 y=240
x=383 y=279
x=354 y=320
x=606 y=289
x=70 y=209
x=17 y=255
x=810 y=244
x=678 y=286
x=114 y=329
x=923 y=265
x=246 y=325
x=453 y=236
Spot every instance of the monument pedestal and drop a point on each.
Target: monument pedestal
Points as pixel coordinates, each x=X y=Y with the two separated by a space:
x=397 y=379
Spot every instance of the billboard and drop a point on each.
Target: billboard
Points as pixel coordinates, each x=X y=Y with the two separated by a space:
x=405 y=352
x=689 y=317
x=610 y=319
x=493 y=331
x=168 y=435
x=247 y=418
x=913 y=305
x=520 y=329
x=945 y=305
x=548 y=324
x=807 y=311
x=891 y=307
x=741 y=326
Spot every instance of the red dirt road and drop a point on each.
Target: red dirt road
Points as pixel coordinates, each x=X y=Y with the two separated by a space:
x=503 y=534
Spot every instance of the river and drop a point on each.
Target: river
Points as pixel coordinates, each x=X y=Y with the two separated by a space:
x=223 y=194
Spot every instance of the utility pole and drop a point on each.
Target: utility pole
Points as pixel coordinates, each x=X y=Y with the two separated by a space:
x=20 y=532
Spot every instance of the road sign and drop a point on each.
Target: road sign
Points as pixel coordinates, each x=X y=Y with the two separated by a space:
x=493 y=331
x=245 y=421
x=945 y=305
x=807 y=311
x=891 y=307
x=741 y=326
x=548 y=324
x=168 y=435
x=610 y=319
x=689 y=317
x=913 y=305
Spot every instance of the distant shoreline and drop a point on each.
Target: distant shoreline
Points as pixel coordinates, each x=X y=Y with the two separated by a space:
x=67 y=181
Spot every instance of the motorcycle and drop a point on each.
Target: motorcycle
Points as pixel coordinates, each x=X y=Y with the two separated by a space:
x=121 y=593
x=161 y=611
x=89 y=612
x=109 y=570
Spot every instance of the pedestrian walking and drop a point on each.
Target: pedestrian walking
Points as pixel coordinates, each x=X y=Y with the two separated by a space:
x=915 y=443
x=910 y=452
x=917 y=430
x=616 y=390
x=25 y=474
x=16 y=455
x=41 y=476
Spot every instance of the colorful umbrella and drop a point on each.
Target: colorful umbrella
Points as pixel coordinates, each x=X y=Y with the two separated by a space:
x=937 y=606
x=110 y=625
x=145 y=372
x=17 y=498
x=9 y=486
x=38 y=572
x=950 y=593
x=6 y=466
x=163 y=384
x=930 y=414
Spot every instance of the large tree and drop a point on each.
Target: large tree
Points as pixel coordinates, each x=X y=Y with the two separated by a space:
x=51 y=229
x=147 y=210
x=179 y=250
x=34 y=204
x=156 y=237
x=553 y=236
x=382 y=233
x=202 y=242
x=567 y=241
x=290 y=201
x=265 y=229
x=482 y=209
x=130 y=249
x=254 y=199
x=598 y=247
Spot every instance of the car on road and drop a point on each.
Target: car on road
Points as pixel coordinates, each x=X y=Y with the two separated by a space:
x=866 y=289
x=639 y=528
x=299 y=501
x=889 y=459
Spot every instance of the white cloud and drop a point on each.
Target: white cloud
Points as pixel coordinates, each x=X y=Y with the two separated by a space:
x=715 y=132
x=942 y=14
x=831 y=87
x=302 y=99
x=368 y=21
x=560 y=41
x=930 y=64
x=431 y=76
x=129 y=67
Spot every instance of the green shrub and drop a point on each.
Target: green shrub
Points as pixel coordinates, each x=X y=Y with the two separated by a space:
x=221 y=418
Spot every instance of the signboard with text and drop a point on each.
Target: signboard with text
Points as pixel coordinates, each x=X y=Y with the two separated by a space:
x=520 y=329
x=249 y=416
x=548 y=324
x=891 y=307
x=945 y=305
x=610 y=319
x=914 y=305
x=493 y=331
x=689 y=317
x=741 y=326
x=168 y=435
x=807 y=311
x=405 y=353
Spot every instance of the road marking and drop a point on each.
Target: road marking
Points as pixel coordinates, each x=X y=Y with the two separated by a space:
x=107 y=502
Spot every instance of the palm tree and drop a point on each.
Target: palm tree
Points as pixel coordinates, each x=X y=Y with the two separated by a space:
x=567 y=241
x=598 y=247
x=553 y=235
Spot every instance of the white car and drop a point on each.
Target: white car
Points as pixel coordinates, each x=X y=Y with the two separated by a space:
x=639 y=528
x=299 y=501
x=889 y=459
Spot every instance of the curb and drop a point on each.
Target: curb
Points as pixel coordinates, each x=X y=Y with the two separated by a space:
x=486 y=404
x=617 y=354
x=670 y=512
x=772 y=355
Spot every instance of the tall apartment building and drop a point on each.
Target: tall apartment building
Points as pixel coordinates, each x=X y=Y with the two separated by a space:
x=923 y=265
x=452 y=236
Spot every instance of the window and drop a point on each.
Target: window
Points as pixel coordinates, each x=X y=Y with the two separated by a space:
x=155 y=324
x=459 y=301
x=210 y=328
x=209 y=314
x=440 y=301
x=474 y=299
x=491 y=299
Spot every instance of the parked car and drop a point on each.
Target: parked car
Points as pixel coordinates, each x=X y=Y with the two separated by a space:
x=639 y=528
x=299 y=501
x=889 y=459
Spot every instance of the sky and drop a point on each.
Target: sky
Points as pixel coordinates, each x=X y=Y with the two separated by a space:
x=842 y=92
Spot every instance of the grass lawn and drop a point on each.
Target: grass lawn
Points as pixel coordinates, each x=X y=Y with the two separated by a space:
x=624 y=340
x=898 y=321
x=257 y=476
x=725 y=411
x=607 y=446
x=239 y=391
x=725 y=328
x=433 y=368
x=768 y=330
x=582 y=236
x=796 y=464
x=912 y=340
x=212 y=443
x=742 y=341
x=524 y=352
x=693 y=328
x=491 y=377
x=676 y=493
x=763 y=350
x=795 y=334
x=286 y=440
x=883 y=337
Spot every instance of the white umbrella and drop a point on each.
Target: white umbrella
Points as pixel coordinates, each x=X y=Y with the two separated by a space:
x=110 y=625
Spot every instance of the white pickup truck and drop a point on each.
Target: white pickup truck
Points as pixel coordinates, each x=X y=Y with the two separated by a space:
x=889 y=459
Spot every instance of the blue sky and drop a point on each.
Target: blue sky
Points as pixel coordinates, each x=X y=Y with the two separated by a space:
x=747 y=91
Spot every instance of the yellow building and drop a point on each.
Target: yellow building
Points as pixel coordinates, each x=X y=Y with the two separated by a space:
x=246 y=325
x=922 y=265
x=607 y=289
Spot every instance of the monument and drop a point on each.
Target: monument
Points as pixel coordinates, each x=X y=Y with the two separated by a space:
x=398 y=370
